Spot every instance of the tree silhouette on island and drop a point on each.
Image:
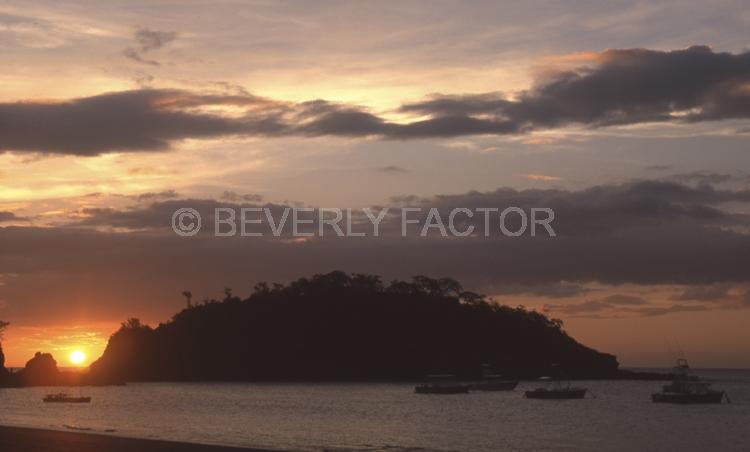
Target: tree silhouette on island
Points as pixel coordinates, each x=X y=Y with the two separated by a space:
x=339 y=326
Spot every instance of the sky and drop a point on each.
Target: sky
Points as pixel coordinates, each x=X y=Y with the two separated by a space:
x=629 y=119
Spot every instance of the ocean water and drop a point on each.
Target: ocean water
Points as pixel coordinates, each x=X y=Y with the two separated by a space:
x=617 y=415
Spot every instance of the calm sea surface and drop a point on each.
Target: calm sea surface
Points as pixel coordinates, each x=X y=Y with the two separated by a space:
x=618 y=415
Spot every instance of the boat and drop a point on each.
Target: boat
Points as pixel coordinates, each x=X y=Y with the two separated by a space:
x=441 y=384
x=556 y=392
x=65 y=398
x=687 y=388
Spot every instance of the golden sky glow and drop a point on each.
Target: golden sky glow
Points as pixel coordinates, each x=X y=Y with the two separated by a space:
x=77 y=357
x=22 y=342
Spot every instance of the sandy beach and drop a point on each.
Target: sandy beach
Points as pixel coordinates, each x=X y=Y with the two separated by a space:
x=16 y=439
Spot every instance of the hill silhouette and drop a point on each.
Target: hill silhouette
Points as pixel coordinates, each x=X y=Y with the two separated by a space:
x=337 y=326
x=41 y=370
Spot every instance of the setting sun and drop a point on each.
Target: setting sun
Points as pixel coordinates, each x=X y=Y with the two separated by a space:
x=77 y=357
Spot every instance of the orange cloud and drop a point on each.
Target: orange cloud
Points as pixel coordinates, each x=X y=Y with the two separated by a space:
x=578 y=57
x=541 y=177
x=539 y=141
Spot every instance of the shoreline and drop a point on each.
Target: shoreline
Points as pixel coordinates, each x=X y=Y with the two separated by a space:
x=622 y=375
x=25 y=439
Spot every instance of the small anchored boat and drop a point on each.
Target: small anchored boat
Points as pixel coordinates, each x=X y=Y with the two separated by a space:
x=556 y=392
x=441 y=384
x=687 y=388
x=62 y=397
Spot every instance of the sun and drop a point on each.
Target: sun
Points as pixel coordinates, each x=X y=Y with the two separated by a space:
x=77 y=357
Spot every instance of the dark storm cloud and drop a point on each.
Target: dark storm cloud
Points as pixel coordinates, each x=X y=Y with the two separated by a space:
x=143 y=120
x=627 y=86
x=624 y=87
x=620 y=87
x=457 y=105
x=324 y=118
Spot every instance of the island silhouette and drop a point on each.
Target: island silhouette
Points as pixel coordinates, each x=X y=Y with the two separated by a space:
x=337 y=326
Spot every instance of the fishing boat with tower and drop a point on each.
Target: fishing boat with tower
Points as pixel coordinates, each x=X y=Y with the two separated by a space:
x=686 y=387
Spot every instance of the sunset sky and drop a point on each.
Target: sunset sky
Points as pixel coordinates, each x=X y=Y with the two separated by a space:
x=630 y=119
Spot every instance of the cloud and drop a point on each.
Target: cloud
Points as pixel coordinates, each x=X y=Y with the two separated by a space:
x=153 y=196
x=586 y=307
x=143 y=120
x=541 y=177
x=704 y=293
x=148 y=40
x=6 y=216
x=560 y=289
x=32 y=32
x=609 y=305
x=619 y=305
x=624 y=300
x=235 y=197
x=540 y=140
x=598 y=212
x=627 y=86
x=660 y=310
x=745 y=300
x=644 y=233
x=151 y=171
x=393 y=169
x=658 y=167
x=704 y=177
